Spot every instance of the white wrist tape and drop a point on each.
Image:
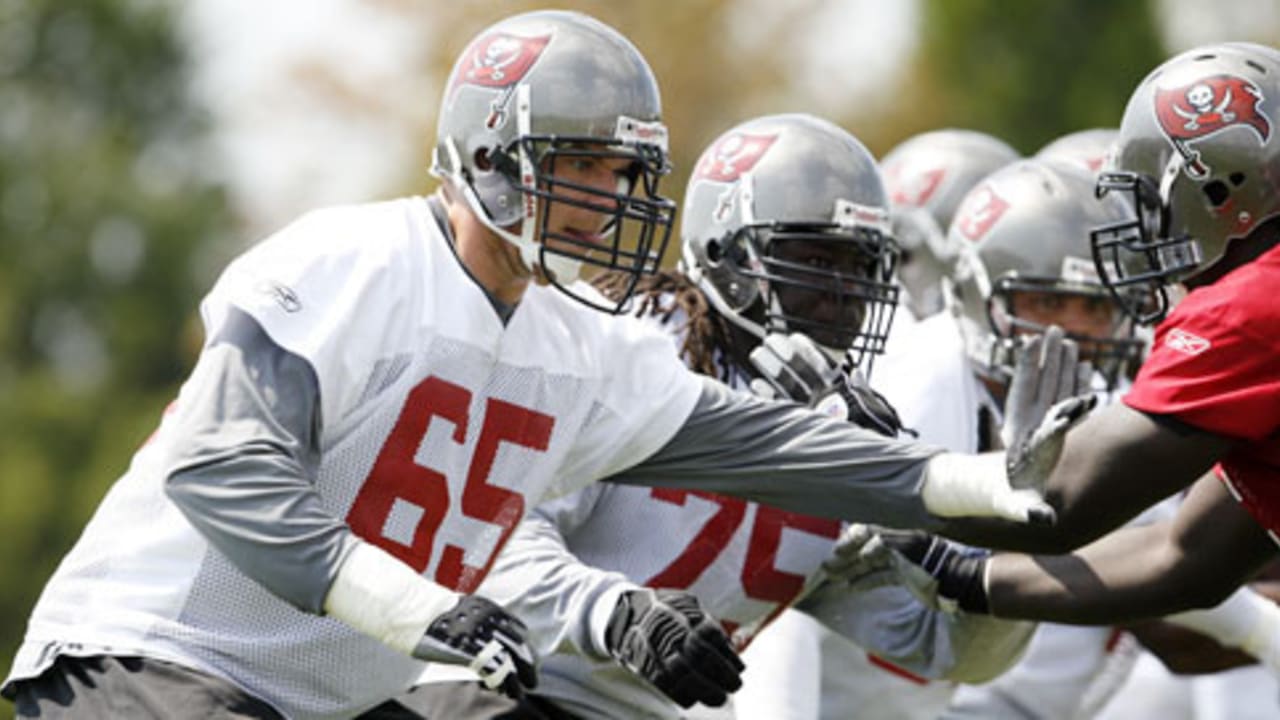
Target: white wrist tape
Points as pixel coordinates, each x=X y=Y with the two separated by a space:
x=1263 y=640
x=382 y=597
x=1245 y=620
x=960 y=485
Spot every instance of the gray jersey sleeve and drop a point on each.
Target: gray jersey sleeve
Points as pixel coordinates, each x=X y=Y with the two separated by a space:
x=563 y=601
x=782 y=454
x=242 y=467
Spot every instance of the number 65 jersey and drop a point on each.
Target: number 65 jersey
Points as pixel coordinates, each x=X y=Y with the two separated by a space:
x=437 y=425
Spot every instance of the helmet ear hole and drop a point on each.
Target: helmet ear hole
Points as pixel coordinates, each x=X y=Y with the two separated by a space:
x=499 y=161
x=715 y=253
x=1217 y=192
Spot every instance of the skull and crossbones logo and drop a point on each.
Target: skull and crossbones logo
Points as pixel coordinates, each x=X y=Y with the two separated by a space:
x=498 y=55
x=1200 y=98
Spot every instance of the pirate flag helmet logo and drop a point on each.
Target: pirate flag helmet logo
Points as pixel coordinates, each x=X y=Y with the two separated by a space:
x=1203 y=107
x=498 y=60
x=732 y=156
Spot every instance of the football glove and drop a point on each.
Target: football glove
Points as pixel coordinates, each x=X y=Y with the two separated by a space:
x=665 y=637
x=793 y=367
x=490 y=641
x=1048 y=395
x=941 y=573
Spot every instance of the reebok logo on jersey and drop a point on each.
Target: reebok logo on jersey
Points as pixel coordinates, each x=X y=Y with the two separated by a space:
x=1184 y=342
x=284 y=295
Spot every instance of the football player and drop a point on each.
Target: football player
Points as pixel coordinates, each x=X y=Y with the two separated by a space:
x=1198 y=157
x=385 y=388
x=1023 y=265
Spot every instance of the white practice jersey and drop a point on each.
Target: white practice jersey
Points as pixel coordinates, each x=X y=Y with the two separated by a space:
x=799 y=670
x=569 y=561
x=441 y=425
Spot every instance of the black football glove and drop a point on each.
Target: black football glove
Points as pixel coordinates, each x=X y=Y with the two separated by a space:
x=481 y=635
x=951 y=572
x=793 y=367
x=852 y=399
x=664 y=637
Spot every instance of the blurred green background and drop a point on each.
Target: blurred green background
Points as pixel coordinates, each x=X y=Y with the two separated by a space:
x=122 y=191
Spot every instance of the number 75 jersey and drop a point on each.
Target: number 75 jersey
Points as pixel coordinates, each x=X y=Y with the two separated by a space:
x=440 y=425
x=572 y=557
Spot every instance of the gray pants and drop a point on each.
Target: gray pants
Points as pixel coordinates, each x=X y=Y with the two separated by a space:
x=137 y=688
x=470 y=701
x=132 y=687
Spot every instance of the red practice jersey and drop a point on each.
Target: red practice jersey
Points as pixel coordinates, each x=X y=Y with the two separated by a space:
x=1215 y=365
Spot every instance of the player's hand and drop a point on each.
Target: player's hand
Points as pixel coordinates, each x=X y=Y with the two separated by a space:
x=481 y=635
x=665 y=637
x=793 y=367
x=1049 y=394
x=941 y=573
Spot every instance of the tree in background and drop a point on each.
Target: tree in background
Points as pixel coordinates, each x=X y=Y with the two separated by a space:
x=108 y=223
x=1027 y=72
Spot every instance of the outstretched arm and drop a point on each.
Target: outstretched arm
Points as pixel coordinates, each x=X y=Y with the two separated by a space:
x=785 y=455
x=1116 y=463
x=1194 y=561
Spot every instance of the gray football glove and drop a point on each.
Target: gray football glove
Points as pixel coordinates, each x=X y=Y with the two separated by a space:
x=1049 y=394
x=793 y=367
x=665 y=637
x=481 y=635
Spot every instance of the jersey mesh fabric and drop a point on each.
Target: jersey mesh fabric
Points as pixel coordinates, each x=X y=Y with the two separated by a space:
x=742 y=560
x=670 y=538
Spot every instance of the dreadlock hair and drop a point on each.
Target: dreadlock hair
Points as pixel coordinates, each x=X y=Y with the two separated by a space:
x=706 y=332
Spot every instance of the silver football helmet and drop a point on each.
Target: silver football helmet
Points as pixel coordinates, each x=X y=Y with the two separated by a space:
x=1025 y=228
x=1088 y=149
x=551 y=87
x=786 y=229
x=1199 y=158
x=926 y=176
